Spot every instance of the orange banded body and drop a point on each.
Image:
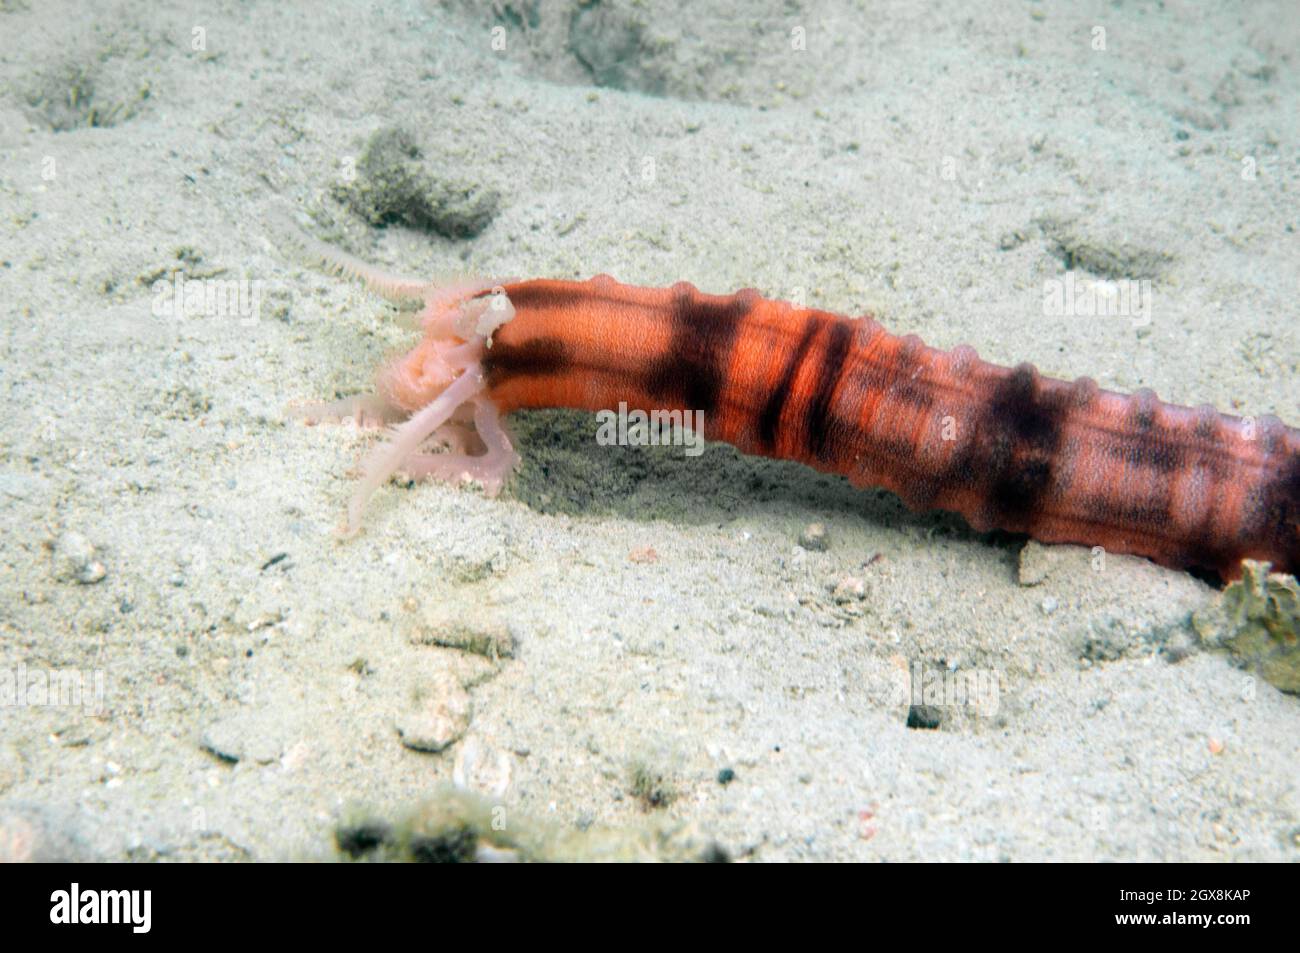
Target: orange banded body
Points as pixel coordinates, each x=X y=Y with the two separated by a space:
x=1005 y=447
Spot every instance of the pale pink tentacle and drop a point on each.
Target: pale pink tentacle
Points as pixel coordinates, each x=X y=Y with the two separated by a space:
x=383 y=461
x=393 y=287
x=489 y=469
x=441 y=378
x=367 y=410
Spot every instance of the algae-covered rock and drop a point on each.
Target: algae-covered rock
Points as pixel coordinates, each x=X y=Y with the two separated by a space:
x=1258 y=620
x=393 y=183
x=456 y=826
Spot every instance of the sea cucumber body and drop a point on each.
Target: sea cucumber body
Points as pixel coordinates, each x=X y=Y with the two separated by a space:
x=1005 y=447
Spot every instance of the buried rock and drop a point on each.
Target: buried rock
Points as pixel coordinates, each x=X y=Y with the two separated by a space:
x=437 y=716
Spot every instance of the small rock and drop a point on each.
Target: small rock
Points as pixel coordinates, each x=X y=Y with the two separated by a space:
x=482 y=768
x=224 y=739
x=477 y=632
x=74 y=560
x=362 y=836
x=242 y=738
x=439 y=716
x=815 y=538
x=1036 y=563
x=30 y=833
x=849 y=589
x=927 y=717
x=264 y=749
x=11 y=767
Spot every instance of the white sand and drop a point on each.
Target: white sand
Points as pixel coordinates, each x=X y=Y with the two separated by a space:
x=884 y=168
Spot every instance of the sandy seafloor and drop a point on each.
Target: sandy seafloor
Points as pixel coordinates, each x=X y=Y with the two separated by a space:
x=933 y=163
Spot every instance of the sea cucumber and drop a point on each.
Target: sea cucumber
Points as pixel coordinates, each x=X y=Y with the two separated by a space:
x=1007 y=448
